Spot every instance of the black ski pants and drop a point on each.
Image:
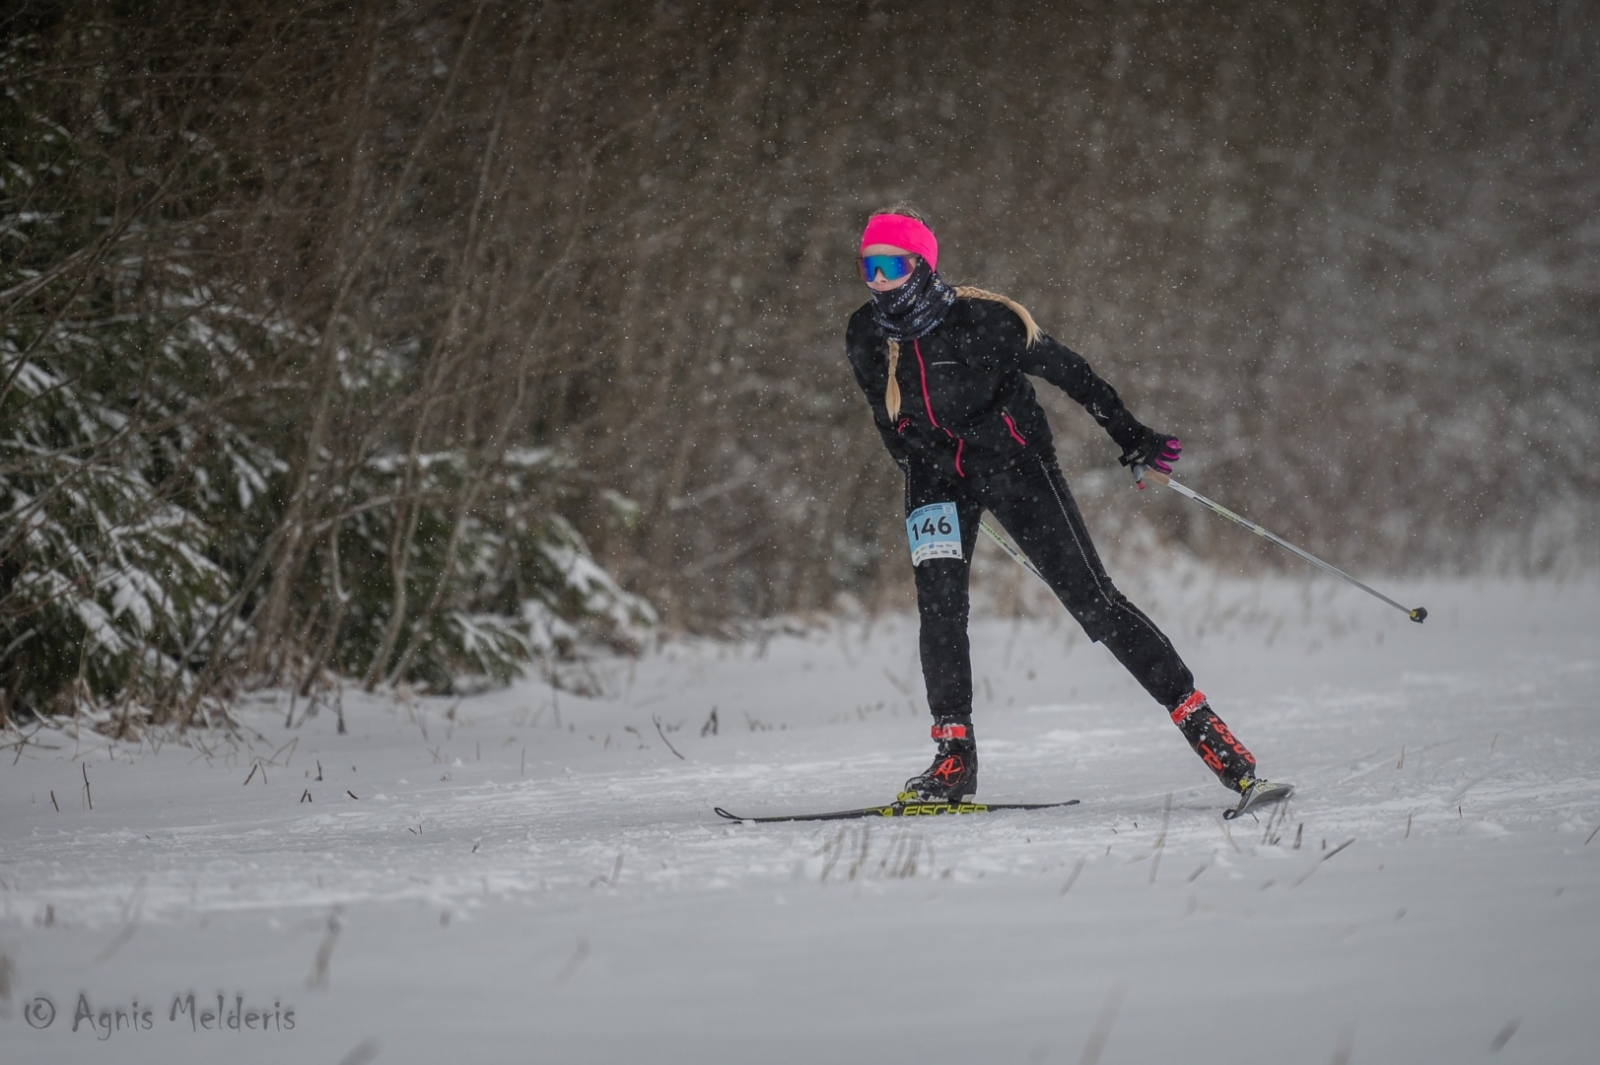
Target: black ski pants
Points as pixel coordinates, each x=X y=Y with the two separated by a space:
x=1032 y=501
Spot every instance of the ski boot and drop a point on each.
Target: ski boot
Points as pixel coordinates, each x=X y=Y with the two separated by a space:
x=953 y=776
x=1233 y=764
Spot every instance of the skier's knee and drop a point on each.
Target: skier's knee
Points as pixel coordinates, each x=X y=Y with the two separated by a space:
x=1096 y=623
x=1103 y=615
x=942 y=596
x=945 y=611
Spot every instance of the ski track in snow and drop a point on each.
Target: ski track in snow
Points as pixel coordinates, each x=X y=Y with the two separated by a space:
x=504 y=889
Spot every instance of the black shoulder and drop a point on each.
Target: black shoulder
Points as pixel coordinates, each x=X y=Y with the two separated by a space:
x=862 y=336
x=862 y=323
x=991 y=319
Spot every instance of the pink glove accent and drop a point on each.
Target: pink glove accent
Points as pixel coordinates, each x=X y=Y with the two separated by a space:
x=1171 y=451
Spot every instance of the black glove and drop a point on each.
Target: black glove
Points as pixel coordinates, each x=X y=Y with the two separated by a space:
x=1154 y=450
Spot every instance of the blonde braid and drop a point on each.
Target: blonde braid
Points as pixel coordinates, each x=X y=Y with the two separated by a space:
x=891 y=394
x=971 y=293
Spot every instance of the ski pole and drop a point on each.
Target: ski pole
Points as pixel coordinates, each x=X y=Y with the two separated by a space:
x=1417 y=614
x=1005 y=545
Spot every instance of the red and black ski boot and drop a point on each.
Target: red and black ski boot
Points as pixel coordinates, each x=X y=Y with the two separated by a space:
x=953 y=776
x=1234 y=765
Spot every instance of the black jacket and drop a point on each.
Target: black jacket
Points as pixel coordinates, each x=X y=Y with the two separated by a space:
x=966 y=406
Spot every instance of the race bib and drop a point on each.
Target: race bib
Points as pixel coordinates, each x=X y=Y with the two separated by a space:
x=934 y=531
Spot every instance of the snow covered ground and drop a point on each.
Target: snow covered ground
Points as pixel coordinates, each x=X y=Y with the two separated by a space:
x=515 y=878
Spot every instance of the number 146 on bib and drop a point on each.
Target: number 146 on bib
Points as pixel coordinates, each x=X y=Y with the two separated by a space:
x=934 y=531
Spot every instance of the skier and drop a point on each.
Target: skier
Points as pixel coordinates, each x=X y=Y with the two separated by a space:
x=945 y=372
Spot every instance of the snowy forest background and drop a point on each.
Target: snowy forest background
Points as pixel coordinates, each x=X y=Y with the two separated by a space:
x=372 y=343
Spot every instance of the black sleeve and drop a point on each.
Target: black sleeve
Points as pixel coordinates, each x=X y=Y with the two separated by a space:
x=1053 y=361
x=868 y=351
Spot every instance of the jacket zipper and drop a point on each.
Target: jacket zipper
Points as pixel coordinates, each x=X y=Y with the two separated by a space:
x=927 y=404
x=1011 y=427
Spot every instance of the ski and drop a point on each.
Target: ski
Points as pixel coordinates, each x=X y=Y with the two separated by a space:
x=1261 y=793
x=902 y=809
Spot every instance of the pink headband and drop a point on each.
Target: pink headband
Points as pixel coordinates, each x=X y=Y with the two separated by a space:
x=899 y=231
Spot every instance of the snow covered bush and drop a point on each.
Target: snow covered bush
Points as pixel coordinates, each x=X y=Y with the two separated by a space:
x=116 y=495
x=208 y=480
x=487 y=590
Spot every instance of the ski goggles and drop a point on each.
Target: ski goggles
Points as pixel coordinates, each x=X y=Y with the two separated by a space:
x=892 y=267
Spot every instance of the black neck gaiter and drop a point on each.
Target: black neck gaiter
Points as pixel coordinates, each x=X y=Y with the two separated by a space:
x=915 y=308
